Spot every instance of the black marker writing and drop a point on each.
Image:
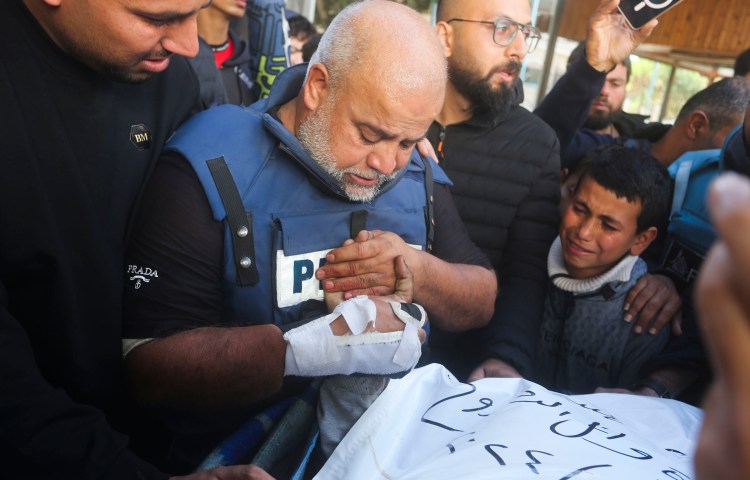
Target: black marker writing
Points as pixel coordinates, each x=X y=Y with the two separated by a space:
x=535 y=461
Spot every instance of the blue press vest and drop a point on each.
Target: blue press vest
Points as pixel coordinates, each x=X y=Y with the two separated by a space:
x=689 y=221
x=691 y=233
x=298 y=213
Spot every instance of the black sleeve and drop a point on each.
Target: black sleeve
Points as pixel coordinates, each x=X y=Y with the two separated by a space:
x=522 y=276
x=737 y=152
x=45 y=434
x=686 y=352
x=174 y=258
x=452 y=242
x=566 y=107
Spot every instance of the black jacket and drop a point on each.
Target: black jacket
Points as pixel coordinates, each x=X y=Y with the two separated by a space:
x=233 y=83
x=566 y=107
x=507 y=188
x=75 y=150
x=238 y=74
x=209 y=77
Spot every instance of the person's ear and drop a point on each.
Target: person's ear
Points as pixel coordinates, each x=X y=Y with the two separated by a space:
x=697 y=125
x=317 y=86
x=643 y=240
x=445 y=34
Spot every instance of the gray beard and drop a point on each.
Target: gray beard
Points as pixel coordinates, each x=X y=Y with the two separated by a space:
x=314 y=134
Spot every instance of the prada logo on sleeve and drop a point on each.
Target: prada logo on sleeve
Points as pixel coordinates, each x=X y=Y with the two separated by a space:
x=140 y=275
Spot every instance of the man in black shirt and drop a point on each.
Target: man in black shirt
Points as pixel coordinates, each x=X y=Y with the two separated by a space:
x=90 y=92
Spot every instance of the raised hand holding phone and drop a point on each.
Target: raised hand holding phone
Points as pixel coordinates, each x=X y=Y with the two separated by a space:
x=639 y=12
x=609 y=39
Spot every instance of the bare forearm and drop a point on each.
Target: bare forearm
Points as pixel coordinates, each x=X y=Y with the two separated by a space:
x=208 y=367
x=457 y=296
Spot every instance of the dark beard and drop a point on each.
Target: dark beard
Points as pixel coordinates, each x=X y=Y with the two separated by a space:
x=599 y=121
x=102 y=66
x=478 y=91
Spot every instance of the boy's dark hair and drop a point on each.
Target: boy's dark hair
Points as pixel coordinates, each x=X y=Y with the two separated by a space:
x=300 y=27
x=742 y=64
x=634 y=175
x=310 y=46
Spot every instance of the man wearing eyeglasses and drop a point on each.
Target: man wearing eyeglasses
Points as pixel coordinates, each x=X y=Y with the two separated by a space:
x=504 y=163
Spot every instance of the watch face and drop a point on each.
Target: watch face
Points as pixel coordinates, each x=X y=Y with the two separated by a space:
x=639 y=12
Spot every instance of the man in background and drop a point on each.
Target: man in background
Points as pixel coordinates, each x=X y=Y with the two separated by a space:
x=606 y=112
x=300 y=32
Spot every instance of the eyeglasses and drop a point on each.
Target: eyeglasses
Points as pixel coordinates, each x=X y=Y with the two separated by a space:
x=505 y=30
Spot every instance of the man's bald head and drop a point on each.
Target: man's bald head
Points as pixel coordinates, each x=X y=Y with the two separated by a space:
x=383 y=43
x=447 y=9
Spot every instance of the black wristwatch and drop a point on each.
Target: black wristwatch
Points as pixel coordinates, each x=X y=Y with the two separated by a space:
x=661 y=390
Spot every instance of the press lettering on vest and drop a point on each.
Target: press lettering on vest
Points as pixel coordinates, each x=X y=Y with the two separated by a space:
x=295 y=277
x=303 y=270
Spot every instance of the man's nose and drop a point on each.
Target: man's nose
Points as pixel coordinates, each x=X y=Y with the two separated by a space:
x=517 y=47
x=383 y=158
x=182 y=37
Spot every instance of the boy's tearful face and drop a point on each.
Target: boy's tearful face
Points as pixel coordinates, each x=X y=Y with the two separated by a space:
x=598 y=229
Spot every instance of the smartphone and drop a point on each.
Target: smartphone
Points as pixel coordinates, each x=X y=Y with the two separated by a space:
x=639 y=12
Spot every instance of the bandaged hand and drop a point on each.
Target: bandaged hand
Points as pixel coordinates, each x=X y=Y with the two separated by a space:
x=378 y=335
x=313 y=350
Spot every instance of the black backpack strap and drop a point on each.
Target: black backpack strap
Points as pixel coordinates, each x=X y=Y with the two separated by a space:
x=240 y=222
x=429 y=187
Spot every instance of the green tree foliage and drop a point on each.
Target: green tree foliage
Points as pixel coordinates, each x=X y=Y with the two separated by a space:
x=648 y=86
x=325 y=10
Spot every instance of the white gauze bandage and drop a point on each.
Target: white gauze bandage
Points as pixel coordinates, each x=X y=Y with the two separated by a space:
x=314 y=351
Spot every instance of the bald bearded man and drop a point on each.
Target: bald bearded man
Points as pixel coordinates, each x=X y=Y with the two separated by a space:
x=218 y=283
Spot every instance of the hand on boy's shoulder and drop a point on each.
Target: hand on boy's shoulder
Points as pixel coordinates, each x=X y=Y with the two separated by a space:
x=653 y=303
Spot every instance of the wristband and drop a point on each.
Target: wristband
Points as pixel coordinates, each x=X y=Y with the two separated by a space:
x=661 y=390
